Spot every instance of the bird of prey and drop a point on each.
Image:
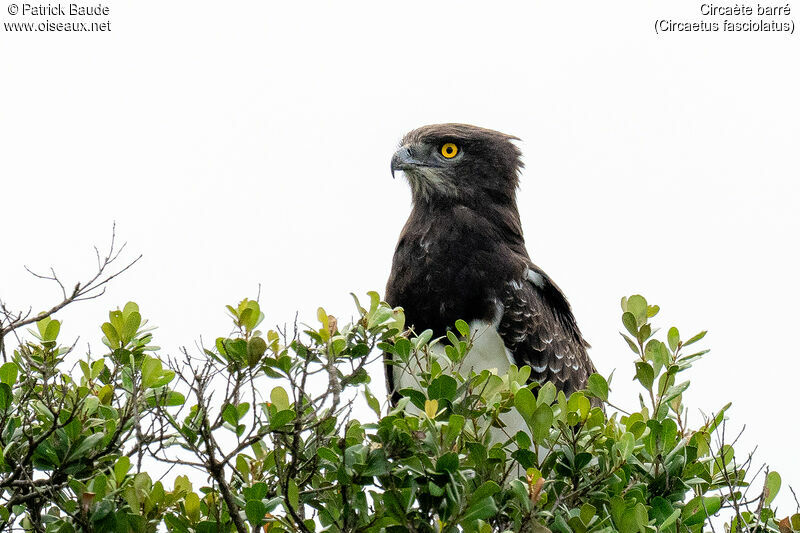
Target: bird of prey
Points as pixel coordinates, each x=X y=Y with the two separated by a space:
x=461 y=255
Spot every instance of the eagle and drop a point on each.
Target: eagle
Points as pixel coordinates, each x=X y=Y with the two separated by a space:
x=461 y=255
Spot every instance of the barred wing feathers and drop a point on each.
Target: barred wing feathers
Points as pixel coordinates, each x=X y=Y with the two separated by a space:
x=539 y=330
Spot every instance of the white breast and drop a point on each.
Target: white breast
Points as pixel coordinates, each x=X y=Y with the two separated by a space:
x=488 y=353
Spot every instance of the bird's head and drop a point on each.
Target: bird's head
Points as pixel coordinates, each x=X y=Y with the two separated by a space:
x=459 y=163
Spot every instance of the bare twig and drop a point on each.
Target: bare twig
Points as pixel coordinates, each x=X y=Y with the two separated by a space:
x=93 y=288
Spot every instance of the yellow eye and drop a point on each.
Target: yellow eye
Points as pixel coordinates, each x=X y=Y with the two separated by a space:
x=449 y=150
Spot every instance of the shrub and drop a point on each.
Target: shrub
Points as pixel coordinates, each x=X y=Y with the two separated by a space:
x=267 y=417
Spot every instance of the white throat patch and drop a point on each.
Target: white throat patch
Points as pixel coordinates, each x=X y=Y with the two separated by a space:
x=426 y=181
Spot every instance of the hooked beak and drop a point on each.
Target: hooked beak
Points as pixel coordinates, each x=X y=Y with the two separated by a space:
x=403 y=160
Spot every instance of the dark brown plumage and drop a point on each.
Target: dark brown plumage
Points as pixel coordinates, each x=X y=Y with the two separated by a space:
x=461 y=254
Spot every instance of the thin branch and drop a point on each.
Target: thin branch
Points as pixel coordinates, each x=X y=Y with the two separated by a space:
x=93 y=288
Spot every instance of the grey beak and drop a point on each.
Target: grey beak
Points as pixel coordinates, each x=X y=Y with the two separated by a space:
x=402 y=159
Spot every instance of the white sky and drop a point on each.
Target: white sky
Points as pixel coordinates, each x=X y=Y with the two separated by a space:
x=244 y=143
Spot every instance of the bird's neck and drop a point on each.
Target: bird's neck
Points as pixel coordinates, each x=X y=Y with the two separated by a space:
x=494 y=218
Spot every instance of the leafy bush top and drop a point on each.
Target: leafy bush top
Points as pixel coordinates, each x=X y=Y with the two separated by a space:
x=267 y=418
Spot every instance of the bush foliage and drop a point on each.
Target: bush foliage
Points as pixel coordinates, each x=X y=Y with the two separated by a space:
x=258 y=432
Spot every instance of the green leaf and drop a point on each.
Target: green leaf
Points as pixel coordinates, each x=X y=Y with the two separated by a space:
x=486 y=490
x=644 y=373
x=669 y=434
x=256 y=348
x=587 y=512
x=629 y=321
x=657 y=352
x=525 y=404
x=644 y=333
x=207 y=526
x=547 y=393
x=632 y=345
x=182 y=484
x=8 y=373
x=279 y=398
x=41 y=325
x=724 y=457
x=628 y=516
x=637 y=306
x=402 y=348
x=435 y=490
x=771 y=486
x=229 y=415
x=443 y=387
x=699 y=509
x=523 y=440
x=328 y=454
x=111 y=335
x=423 y=338
x=243 y=467
x=372 y=402
x=192 y=506
x=673 y=337
x=416 y=397
x=255 y=511
x=480 y=509
x=374 y=301
x=625 y=445
x=579 y=403
x=116 y=319
x=99 y=485
x=674 y=391
x=165 y=377
x=51 y=332
x=282 y=418
x=294 y=495
x=447 y=463
x=670 y=520
x=452 y=338
x=151 y=371
x=158 y=494
x=255 y=316
x=695 y=338
x=454 y=426
x=97 y=368
x=462 y=327
x=132 y=324
x=121 y=468
x=523 y=374
x=85 y=445
x=164 y=398
x=598 y=386
x=540 y=422
x=129 y=308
